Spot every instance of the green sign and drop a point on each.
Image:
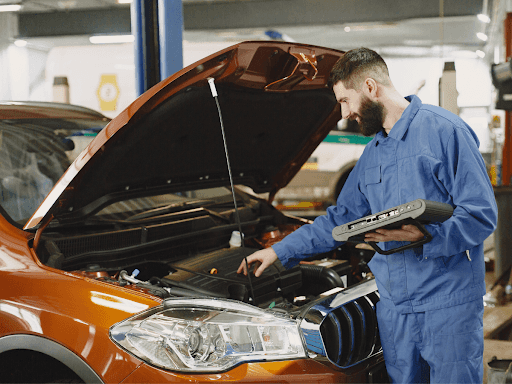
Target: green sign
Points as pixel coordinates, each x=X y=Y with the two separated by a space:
x=347 y=139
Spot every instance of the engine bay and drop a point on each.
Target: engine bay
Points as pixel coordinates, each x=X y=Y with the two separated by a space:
x=183 y=250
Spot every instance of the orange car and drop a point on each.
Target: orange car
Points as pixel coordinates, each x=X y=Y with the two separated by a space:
x=126 y=271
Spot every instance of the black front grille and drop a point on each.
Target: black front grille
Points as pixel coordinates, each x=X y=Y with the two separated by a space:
x=350 y=333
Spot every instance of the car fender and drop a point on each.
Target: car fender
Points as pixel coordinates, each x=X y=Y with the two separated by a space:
x=53 y=349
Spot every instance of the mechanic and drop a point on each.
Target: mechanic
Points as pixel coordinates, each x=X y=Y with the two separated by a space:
x=430 y=312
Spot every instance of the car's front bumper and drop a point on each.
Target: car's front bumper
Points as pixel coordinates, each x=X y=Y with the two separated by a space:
x=292 y=371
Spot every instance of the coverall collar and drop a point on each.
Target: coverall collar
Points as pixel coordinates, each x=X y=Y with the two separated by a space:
x=402 y=125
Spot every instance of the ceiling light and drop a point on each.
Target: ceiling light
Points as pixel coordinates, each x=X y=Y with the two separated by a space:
x=372 y=26
x=111 y=39
x=10 y=8
x=481 y=36
x=480 y=54
x=20 y=43
x=347 y=29
x=483 y=18
x=124 y=1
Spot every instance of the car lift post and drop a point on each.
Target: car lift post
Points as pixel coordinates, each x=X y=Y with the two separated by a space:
x=158 y=29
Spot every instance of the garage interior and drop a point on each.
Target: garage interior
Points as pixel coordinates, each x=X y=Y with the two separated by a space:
x=448 y=52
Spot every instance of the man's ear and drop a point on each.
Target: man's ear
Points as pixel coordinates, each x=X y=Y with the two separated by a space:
x=370 y=88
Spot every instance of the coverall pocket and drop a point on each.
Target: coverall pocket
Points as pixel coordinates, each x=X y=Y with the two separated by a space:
x=372 y=175
x=459 y=347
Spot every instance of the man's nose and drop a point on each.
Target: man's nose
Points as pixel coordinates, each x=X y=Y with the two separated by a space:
x=345 y=112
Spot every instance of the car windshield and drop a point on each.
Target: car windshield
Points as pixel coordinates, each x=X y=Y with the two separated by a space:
x=34 y=153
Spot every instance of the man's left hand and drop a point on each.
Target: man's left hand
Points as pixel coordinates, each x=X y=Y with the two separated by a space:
x=408 y=232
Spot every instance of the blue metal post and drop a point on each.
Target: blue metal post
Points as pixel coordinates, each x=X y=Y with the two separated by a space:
x=170 y=28
x=144 y=14
x=136 y=15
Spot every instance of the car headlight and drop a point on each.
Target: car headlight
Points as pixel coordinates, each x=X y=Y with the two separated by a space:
x=208 y=335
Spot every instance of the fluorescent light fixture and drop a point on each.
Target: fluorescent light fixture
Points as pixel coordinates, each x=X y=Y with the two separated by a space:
x=10 y=8
x=480 y=54
x=464 y=54
x=483 y=18
x=482 y=36
x=124 y=1
x=20 y=43
x=111 y=39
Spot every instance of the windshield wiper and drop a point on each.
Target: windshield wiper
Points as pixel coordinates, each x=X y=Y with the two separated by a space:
x=184 y=211
x=171 y=208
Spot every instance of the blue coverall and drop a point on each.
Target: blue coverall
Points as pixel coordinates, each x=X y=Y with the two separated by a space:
x=431 y=307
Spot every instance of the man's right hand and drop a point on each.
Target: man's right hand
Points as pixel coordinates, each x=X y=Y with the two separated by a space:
x=261 y=260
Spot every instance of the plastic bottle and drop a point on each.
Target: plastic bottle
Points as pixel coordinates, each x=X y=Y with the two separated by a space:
x=236 y=239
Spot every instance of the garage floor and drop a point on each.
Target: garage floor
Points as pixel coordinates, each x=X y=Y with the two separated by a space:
x=495 y=319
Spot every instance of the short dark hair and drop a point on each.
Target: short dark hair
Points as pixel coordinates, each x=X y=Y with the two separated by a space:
x=356 y=65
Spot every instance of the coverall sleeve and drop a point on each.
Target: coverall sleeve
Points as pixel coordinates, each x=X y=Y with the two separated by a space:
x=311 y=239
x=462 y=172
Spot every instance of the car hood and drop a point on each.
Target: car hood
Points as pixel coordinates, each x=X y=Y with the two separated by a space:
x=276 y=109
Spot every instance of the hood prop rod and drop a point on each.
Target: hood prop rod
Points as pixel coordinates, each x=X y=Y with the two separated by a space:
x=213 y=89
x=39 y=232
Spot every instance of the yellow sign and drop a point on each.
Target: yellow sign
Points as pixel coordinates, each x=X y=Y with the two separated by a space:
x=496 y=121
x=310 y=166
x=108 y=92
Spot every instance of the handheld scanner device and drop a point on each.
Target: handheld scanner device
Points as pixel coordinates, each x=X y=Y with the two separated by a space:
x=417 y=212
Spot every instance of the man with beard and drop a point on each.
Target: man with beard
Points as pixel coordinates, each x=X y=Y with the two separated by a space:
x=430 y=312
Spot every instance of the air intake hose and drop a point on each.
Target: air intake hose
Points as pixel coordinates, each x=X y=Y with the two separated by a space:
x=318 y=273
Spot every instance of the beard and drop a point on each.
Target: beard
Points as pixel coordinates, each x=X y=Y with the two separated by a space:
x=371 y=117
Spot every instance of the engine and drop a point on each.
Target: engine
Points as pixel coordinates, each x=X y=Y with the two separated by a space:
x=185 y=251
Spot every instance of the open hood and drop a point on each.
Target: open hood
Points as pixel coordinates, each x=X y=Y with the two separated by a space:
x=276 y=109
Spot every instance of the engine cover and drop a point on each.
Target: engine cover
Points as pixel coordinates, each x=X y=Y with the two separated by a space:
x=215 y=272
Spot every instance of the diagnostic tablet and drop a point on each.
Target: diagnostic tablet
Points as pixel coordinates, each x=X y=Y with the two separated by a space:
x=417 y=212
